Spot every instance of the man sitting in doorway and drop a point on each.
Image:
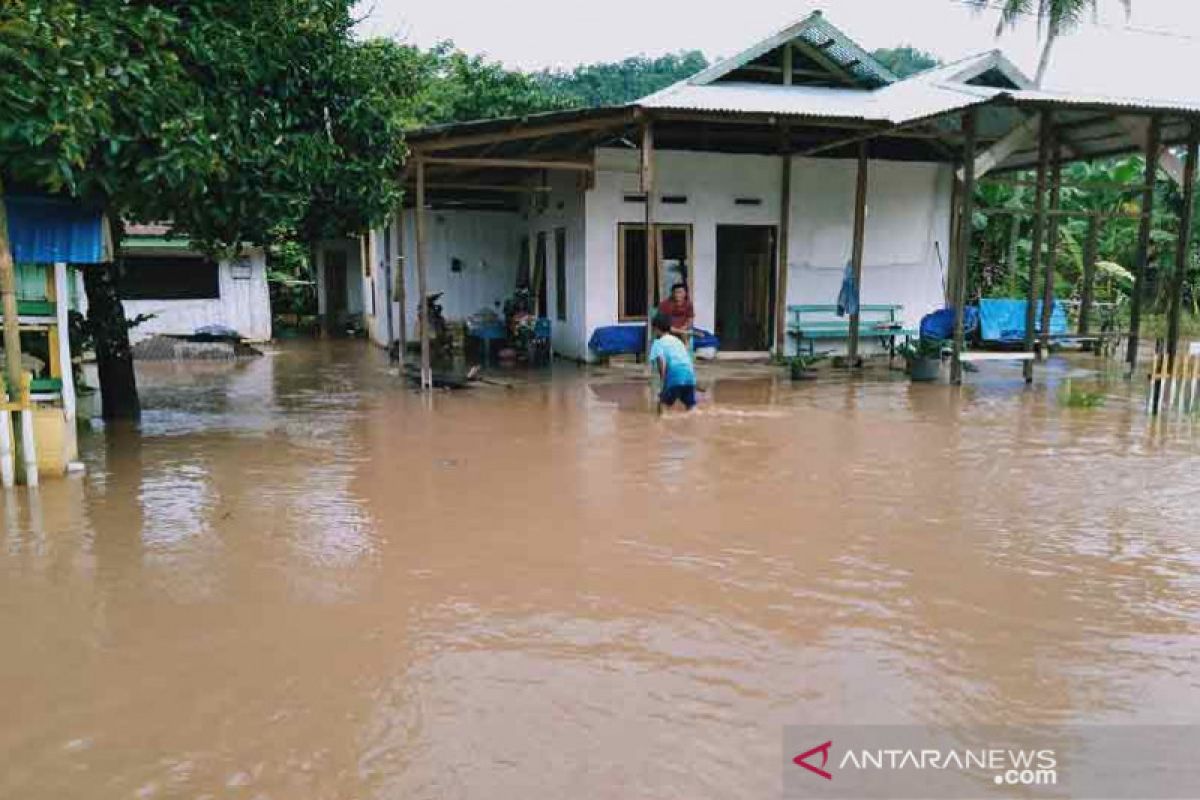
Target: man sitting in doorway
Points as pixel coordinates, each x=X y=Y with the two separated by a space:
x=670 y=359
x=678 y=309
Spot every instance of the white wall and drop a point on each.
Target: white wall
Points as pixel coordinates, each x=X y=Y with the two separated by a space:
x=244 y=305
x=908 y=211
x=488 y=245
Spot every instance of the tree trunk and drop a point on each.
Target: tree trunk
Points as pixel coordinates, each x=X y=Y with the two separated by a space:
x=110 y=333
x=1047 y=50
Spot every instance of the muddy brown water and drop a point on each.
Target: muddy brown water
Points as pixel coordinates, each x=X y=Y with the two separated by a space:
x=297 y=580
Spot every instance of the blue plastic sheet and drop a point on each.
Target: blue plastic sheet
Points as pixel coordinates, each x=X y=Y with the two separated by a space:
x=1003 y=320
x=940 y=324
x=48 y=230
x=615 y=340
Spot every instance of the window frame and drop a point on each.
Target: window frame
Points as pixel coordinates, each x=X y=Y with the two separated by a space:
x=659 y=230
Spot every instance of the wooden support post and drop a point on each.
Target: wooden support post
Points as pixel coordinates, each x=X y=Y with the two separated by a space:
x=860 y=231
x=651 y=254
x=1039 y=229
x=422 y=280
x=1183 y=251
x=1091 y=250
x=398 y=293
x=948 y=291
x=789 y=72
x=964 y=243
x=1051 y=250
x=784 y=255
x=8 y=288
x=1142 y=258
x=8 y=473
x=28 y=441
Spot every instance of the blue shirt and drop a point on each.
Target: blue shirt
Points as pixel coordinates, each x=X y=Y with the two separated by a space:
x=674 y=354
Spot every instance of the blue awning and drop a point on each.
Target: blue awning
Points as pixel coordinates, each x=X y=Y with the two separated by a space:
x=47 y=230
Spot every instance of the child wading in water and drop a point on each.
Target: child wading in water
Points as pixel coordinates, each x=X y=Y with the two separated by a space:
x=670 y=358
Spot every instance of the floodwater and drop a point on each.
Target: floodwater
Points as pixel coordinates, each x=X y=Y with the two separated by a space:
x=299 y=580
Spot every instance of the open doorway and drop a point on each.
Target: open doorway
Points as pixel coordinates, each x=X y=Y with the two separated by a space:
x=745 y=298
x=337 y=301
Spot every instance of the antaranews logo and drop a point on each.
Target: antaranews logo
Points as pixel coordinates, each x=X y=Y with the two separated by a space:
x=823 y=749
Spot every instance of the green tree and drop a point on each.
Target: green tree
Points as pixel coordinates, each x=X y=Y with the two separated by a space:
x=234 y=120
x=905 y=60
x=609 y=84
x=1055 y=17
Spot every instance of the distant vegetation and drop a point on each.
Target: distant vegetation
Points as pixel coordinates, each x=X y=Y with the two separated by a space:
x=905 y=61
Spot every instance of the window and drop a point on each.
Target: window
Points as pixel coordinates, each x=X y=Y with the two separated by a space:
x=560 y=274
x=146 y=277
x=673 y=265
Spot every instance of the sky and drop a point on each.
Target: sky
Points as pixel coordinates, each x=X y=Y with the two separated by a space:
x=532 y=34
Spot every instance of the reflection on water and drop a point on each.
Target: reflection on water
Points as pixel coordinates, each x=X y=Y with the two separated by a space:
x=300 y=580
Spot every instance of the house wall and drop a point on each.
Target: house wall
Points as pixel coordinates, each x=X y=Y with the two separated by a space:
x=563 y=208
x=908 y=212
x=244 y=305
x=486 y=242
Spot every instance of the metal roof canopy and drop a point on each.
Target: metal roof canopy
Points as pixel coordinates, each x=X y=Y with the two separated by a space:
x=726 y=109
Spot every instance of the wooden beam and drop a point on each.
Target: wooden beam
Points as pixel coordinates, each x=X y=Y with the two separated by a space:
x=506 y=163
x=651 y=266
x=1183 y=251
x=819 y=55
x=1016 y=139
x=399 y=290
x=858 y=245
x=522 y=130
x=423 y=280
x=969 y=125
x=1142 y=255
x=1039 y=228
x=788 y=65
x=784 y=255
x=1051 y=250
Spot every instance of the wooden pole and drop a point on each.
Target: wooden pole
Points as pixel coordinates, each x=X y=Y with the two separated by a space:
x=1051 y=250
x=1142 y=258
x=62 y=298
x=860 y=231
x=8 y=288
x=948 y=290
x=1091 y=249
x=422 y=280
x=648 y=191
x=1183 y=252
x=399 y=293
x=784 y=255
x=1039 y=229
x=964 y=243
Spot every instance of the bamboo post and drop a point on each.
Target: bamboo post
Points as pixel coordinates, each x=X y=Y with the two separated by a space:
x=1091 y=248
x=1039 y=229
x=422 y=280
x=648 y=192
x=1145 y=229
x=784 y=255
x=860 y=231
x=8 y=288
x=1183 y=252
x=964 y=242
x=398 y=292
x=62 y=297
x=948 y=290
x=28 y=442
x=1051 y=250
x=7 y=471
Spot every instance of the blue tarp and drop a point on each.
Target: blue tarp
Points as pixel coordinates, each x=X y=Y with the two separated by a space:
x=47 y=230
x=1003 y=320
x=615 y=340
x=940 y=324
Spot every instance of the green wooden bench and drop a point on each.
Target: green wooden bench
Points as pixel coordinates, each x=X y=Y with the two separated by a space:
x=808 y=324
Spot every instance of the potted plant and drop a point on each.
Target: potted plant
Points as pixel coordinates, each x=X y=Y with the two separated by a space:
x=923 y=359
x=802 y=366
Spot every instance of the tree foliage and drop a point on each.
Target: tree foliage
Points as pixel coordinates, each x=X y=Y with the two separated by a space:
x=617 y=83
x=905 y=60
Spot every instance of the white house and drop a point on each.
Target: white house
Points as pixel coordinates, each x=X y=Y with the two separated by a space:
x=182 y=290
x=749 y=175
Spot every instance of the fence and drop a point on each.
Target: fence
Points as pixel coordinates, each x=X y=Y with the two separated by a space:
x=1175 y=387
